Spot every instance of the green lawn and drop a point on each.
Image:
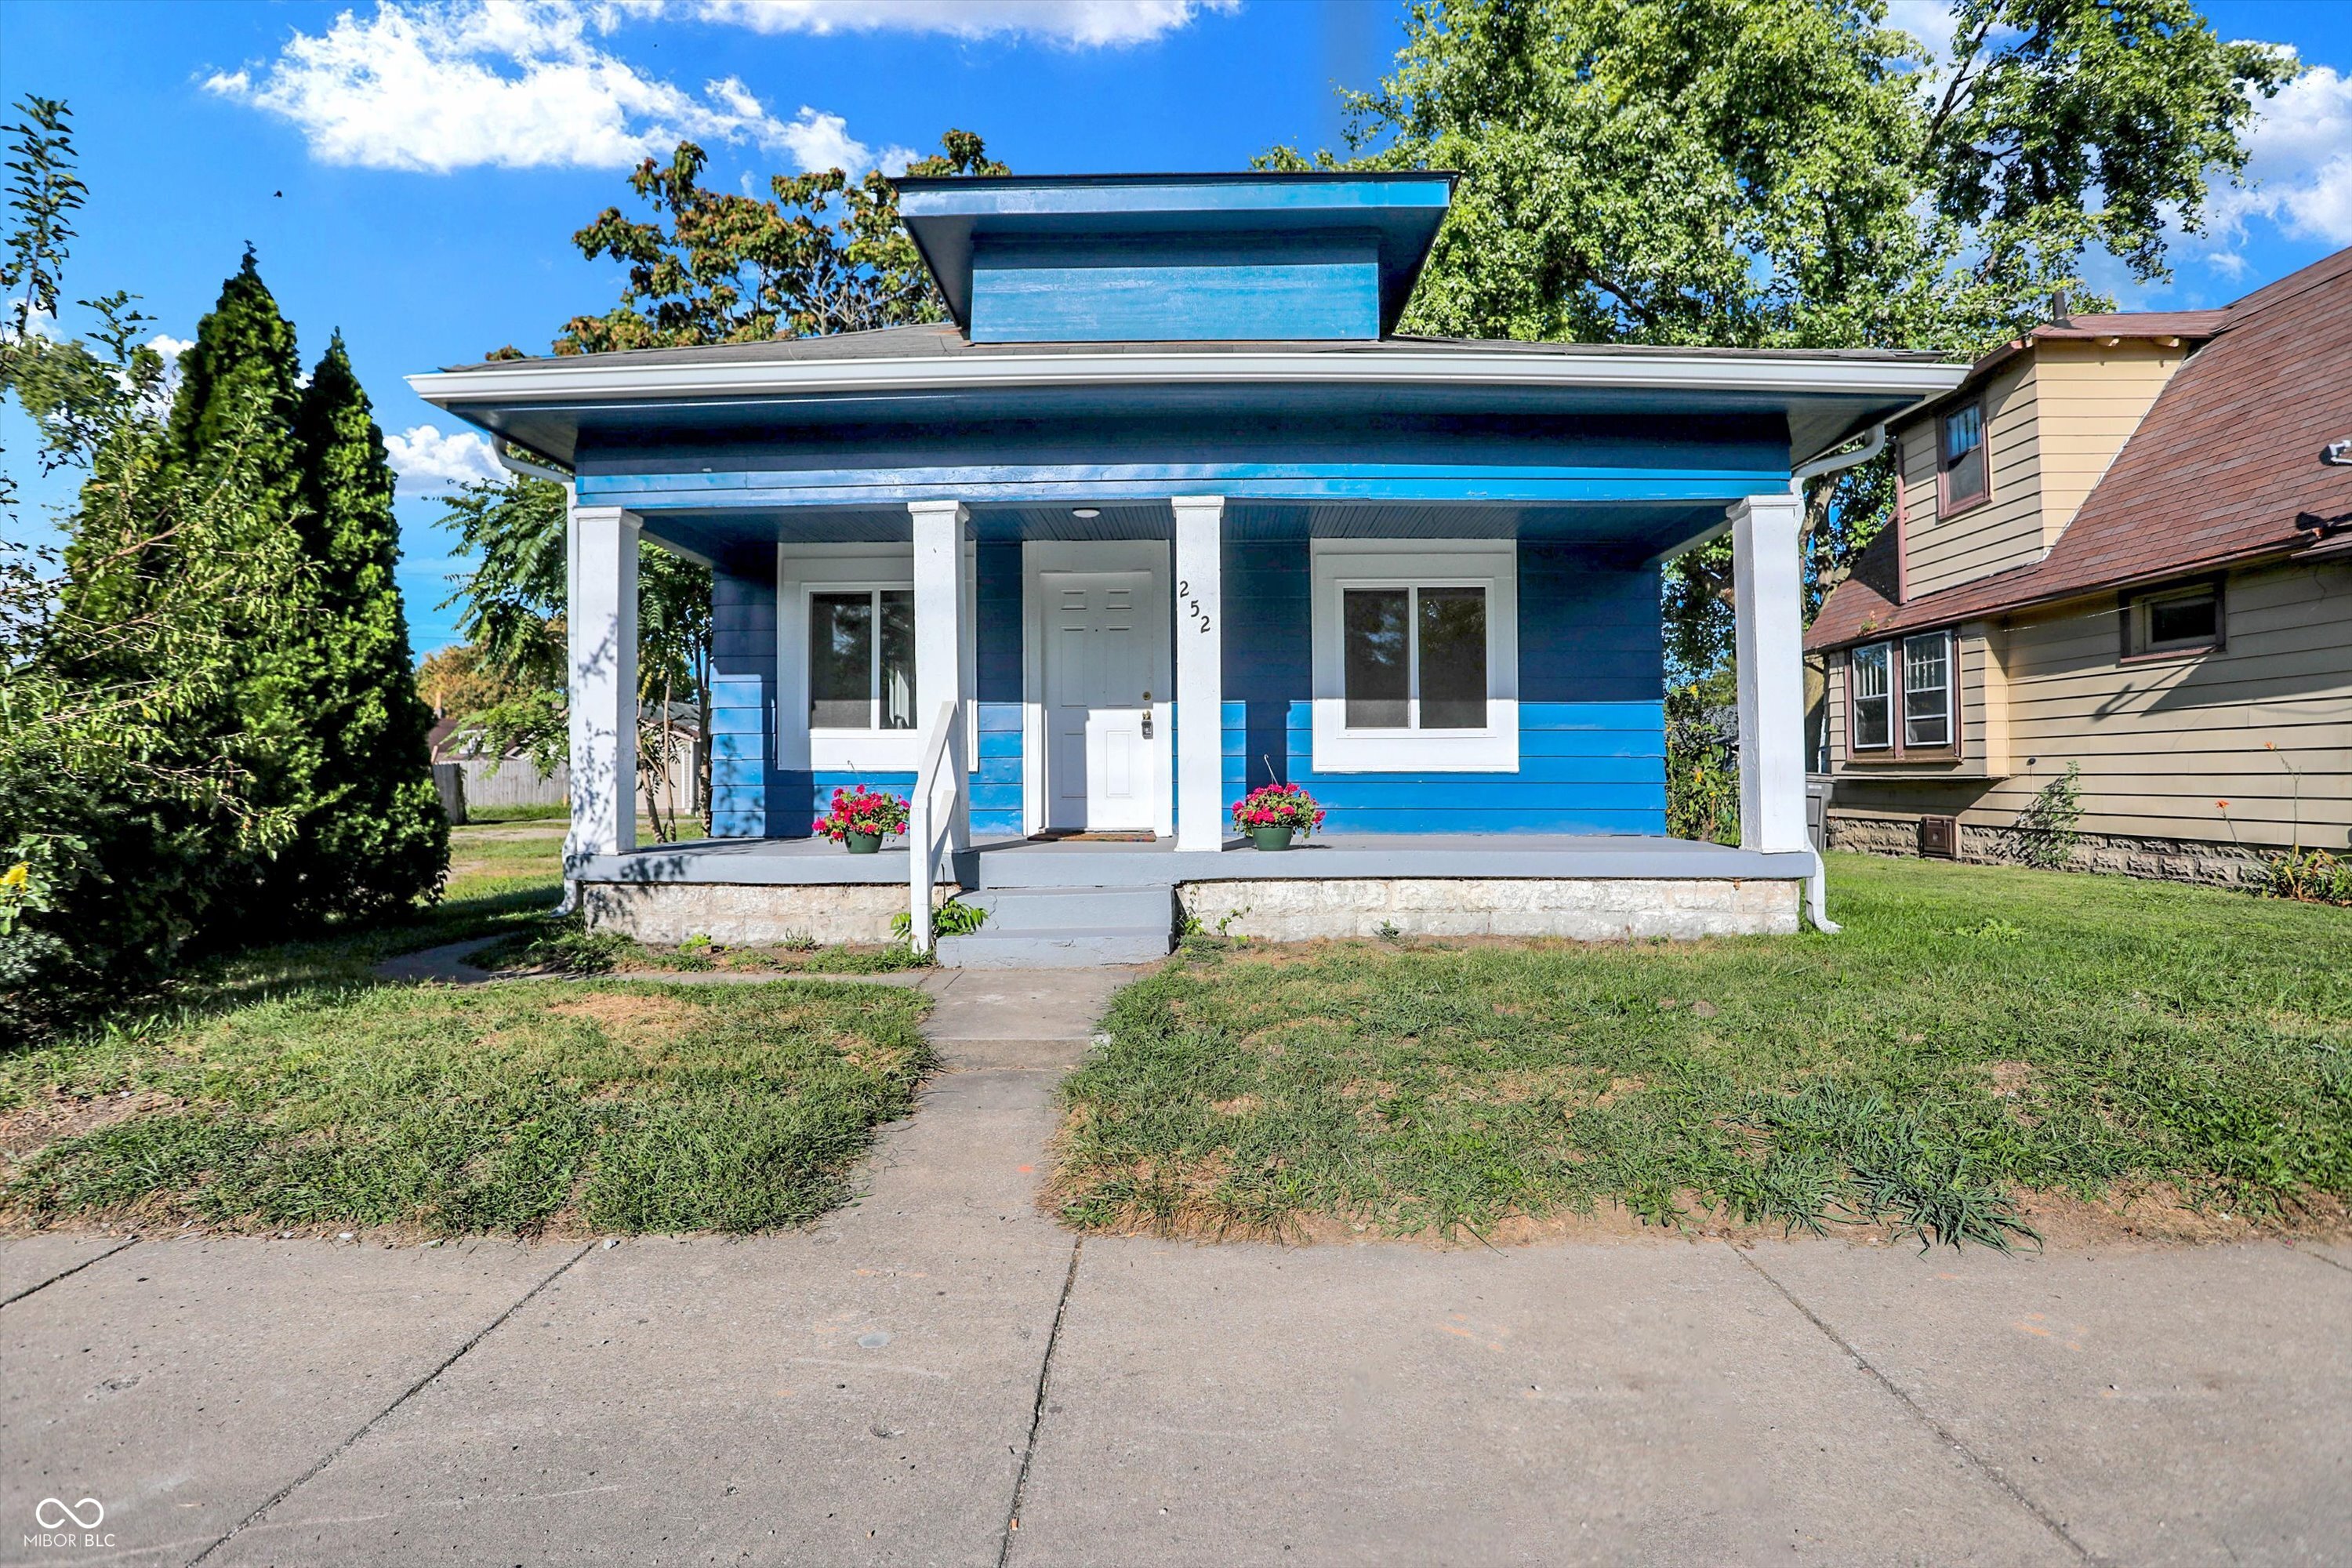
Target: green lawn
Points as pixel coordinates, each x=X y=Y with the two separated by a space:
x=1975 y=1034
x=285 y=1088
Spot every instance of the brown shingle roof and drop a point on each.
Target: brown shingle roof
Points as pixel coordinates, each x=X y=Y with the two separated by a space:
x=2218 y=472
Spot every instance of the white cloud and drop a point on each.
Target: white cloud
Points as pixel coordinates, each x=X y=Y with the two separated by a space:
x=170 y=348
x=514 y=83
x=1929 y=21
x=437 y=85
x=1073 y=24
x=431 y=461
x=820 y=141
x=2300 y=174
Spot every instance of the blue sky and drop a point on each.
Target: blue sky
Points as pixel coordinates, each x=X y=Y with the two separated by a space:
x=412 y=173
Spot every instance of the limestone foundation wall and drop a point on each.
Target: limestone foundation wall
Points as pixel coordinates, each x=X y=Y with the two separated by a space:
x=1584 y=908
x=2123 y=854
x=744 y=914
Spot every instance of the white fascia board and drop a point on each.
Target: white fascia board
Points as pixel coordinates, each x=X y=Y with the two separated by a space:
x=586 y=380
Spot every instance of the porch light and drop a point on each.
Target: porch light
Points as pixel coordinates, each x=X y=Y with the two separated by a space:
x=1085 y=512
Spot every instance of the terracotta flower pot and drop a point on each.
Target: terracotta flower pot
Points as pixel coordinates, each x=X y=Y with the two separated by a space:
x=862 y=843
x=1271 y=837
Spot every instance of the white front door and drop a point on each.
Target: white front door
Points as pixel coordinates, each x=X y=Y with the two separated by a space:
x=1104 y=671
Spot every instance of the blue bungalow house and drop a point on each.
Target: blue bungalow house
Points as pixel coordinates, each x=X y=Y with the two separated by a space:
x=1168 y=512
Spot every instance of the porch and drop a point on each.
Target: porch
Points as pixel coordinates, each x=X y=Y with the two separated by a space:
x=1070 y=901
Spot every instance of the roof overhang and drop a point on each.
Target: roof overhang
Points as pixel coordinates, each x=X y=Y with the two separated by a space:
x=945 y=215
x=542 y=405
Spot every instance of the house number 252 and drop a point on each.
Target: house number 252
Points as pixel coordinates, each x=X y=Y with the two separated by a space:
x=1192 y=610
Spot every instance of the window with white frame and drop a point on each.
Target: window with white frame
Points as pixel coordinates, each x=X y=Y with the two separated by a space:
x=1899 y=696
x=846 y=665
x=861 y=658
x=1415 y=656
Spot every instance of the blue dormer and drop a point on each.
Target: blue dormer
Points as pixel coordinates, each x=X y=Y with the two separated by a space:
x=1176 y=258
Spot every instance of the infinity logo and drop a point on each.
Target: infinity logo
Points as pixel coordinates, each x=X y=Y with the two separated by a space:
x=52 y=1513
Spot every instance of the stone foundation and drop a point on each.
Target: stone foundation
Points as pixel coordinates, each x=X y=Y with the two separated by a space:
x=744 y=914
x=1585 y=910
x=2124 y=854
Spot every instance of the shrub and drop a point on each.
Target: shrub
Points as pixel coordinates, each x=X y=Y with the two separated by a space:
x=1702 y=768
x=2311 y=876
x=2044 y=833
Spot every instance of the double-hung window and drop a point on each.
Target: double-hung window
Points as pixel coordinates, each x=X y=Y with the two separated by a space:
x=861 y=658
x=1899 y=696
x=1416 y=656
x=1963 y=478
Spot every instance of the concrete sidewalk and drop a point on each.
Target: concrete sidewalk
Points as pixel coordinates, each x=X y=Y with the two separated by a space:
x=939 y=1375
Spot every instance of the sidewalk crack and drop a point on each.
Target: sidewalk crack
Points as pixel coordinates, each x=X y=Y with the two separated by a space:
x=1976 y=1461
x=69 y=1273
x=1038 y=1411
x=338 y=1451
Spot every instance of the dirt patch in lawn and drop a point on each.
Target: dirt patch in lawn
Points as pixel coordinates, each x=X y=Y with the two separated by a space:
x=56 y=1114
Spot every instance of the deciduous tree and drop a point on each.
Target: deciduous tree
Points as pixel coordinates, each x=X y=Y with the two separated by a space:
x=1796 y=174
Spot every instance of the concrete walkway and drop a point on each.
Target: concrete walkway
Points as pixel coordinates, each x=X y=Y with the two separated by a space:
x=939 y=1375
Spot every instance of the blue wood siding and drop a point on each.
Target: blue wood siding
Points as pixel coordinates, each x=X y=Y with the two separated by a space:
x=743 y=782
x=751 y=799
x=1177 y=289
x=1591 y=721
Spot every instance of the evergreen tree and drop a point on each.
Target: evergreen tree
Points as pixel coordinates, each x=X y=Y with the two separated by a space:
x=371 y=834
x=239 y=388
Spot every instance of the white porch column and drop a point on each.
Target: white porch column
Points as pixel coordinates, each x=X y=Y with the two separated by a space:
x=1767 y=597
x=940 y=675
x=1200 y=671
x=601 y=629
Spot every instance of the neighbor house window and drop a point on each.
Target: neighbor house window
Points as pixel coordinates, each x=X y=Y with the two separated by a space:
x=1909 y=680
x=1964 y=479
x=861 y=663
x=2173 y=620
x=1874 y=725
x=1928 y=691
x=1415 y=658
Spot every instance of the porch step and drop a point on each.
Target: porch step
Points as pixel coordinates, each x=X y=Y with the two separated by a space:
x=1056 y=927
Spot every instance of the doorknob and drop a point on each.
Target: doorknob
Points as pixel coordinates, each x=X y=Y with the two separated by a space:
x=1146 y=723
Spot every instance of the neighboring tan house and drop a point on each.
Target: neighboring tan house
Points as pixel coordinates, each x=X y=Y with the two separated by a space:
x=2124 y=542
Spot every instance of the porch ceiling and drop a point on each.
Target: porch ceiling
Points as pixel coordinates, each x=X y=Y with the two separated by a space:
x=1623 y=531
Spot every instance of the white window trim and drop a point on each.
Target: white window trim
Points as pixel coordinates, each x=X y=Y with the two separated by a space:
x=1951 y=689
x=1896 y=697
x=803 y=571
x=1490 y=564
x=1853 y=699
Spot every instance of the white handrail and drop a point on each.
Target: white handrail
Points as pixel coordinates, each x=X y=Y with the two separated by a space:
x=922 y=835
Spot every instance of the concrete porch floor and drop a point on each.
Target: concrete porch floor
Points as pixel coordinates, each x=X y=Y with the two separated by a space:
x=1032 y=863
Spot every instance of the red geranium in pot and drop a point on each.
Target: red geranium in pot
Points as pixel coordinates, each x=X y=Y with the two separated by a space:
x=1271 y=815
x=861 y=818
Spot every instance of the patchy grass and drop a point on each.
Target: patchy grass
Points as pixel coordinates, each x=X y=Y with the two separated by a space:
x=285 y=1088
x=514 y=1109
x=495 y=813
x=1976 y=1035
x=565 y=946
